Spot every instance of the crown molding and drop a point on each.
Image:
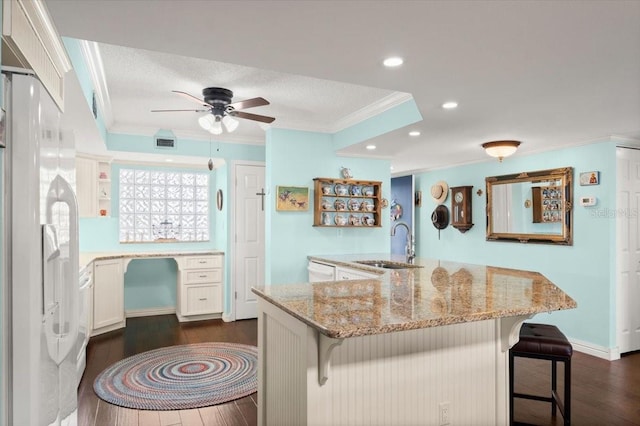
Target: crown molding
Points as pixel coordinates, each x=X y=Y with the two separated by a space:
x=93 y=59
x=390 y=101
x=362 y=155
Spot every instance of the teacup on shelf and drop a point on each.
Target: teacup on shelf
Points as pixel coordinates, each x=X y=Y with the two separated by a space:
x=340 y=205
x=340 y=220
x=327 y=190
x=368 y=191
x=368 y=221
x=354 y=220
x=354 y=205
x=326 y=218
x=356 y=190
x=342 y=190
x=367 y=206
x=326 y=205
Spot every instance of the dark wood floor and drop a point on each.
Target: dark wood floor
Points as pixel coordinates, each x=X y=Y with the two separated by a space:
x=604 y=393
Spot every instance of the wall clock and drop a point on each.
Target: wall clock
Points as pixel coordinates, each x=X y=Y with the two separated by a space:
x=461 y=208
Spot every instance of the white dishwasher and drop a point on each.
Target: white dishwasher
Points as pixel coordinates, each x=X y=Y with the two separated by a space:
x=321 y=272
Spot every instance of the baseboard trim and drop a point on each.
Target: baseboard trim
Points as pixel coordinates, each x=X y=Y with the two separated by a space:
x=228 y=317
x=150 y=312
x=595 y=350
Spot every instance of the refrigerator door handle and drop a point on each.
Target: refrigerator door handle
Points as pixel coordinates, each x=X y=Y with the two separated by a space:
x=68 y=270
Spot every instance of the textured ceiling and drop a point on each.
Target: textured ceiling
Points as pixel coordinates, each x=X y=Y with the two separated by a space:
x=141 y=80
x=550 y=74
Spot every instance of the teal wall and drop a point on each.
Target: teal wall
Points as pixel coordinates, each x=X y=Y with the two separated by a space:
x=585 y=270
x=294 y=158
x=189 y=147
x=150 y=283
x=220 y=229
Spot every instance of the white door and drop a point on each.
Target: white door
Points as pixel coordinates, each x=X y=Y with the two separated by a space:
x=628 y=249
x=249 y=238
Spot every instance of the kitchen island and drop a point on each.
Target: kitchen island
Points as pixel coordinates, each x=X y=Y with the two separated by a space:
x=425 y=345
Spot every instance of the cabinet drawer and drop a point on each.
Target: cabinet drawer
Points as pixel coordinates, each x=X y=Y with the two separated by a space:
x=202 y=299
x=203 y=262
x=202 y=276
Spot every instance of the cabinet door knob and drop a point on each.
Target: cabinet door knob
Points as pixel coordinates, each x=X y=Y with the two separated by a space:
x=204 y=298
x=203 y=276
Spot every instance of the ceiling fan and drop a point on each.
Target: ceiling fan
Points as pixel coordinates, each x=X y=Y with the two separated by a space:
x=221 y=111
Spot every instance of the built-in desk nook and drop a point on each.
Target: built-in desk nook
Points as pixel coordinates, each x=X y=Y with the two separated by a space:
x=199 y=286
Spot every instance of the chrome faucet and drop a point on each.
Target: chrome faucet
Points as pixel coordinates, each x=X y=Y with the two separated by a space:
x=410 y=248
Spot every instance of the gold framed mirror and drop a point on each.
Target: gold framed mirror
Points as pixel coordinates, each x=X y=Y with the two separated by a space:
x=531 y=207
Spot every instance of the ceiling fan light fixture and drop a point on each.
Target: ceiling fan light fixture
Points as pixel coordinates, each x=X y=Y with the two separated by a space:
x=501 y=149
x=206 y=121
x=216 y=126
x=230 y=123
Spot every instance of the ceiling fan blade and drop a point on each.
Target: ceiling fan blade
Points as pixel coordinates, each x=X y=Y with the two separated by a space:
x=191 y=98
x=249 y=103
x=254 y=117
x=179 y=110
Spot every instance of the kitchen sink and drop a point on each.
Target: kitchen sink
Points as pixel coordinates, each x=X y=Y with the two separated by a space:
x=386 y=264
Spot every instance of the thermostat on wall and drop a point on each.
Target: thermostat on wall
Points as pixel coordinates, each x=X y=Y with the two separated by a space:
x=587 y=201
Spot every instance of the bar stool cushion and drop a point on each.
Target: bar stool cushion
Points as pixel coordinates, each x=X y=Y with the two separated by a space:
x=543 y=339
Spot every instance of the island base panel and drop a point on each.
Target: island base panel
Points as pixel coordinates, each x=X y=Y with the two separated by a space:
x=396 y=378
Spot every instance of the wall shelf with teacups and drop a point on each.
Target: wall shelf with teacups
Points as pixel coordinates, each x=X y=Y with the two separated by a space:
x=347 y=203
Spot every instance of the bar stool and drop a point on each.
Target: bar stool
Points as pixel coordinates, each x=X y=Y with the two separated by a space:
x=542 y=341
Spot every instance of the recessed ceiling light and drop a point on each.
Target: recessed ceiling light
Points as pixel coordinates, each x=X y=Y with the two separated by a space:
x=450 y=105
x=371 y=147
x=391 y=167
x=168 y=160
x=414 y=133
x=394 y=61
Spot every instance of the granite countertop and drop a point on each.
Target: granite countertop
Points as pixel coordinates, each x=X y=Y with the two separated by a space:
x=86 y=258
x=433 y=294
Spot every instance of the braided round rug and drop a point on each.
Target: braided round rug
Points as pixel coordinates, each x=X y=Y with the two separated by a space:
x=181 y=377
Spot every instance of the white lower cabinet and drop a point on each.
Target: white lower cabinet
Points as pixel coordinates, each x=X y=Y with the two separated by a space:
x=202 y=299
x=108 y=296
x=343 y=273
x=200 y=288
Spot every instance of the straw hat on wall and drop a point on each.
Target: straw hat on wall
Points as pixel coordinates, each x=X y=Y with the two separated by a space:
x=439 y=192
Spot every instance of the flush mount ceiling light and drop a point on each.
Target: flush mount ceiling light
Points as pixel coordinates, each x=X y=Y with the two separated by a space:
x=394 y=61
x=501 y=149
x=450 y=105
x=414 y=133
x=371 y=147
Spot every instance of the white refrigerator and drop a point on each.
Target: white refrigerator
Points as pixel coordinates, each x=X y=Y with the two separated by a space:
x=42 y=256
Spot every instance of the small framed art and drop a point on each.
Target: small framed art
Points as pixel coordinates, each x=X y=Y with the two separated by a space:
x=590 y=178
x=292 y=198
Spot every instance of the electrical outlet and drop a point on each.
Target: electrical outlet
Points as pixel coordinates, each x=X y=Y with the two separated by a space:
x=444 y=413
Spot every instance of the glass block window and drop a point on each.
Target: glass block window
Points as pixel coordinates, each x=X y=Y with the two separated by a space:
x=163 y=206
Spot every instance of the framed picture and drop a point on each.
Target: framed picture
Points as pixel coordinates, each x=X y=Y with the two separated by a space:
x=590 y=178
x=292 y=198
